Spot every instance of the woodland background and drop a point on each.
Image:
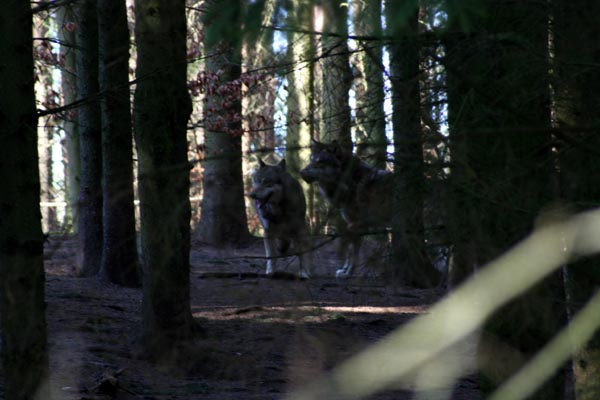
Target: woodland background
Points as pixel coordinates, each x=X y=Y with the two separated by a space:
x=140 y=121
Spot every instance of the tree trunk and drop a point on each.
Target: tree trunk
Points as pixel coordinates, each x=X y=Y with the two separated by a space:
x=577 y=86
x=162 y=108
x=22 y=306
x=370 y=116
x=258 y=101
x=408 y=242
x=300 y=97
x=119 y=256
x=499 y=121
x=259 y=105
x=66 y=35
x=336 y=73
x=223 y=214
x=90 y=195
x=461 y=213
x=45 y=96
x=45 y=139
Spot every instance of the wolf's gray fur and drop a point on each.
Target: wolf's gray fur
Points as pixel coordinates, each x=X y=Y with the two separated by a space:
x=281 y=207
x=360 y=192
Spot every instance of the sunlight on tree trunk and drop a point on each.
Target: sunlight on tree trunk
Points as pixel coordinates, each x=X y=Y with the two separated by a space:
x=45 y=97
x=336 y=74
x=370 y=117
x=300 y=99
x=258 y=102
x=195 y=132
x=66 y=35
x=259 y=97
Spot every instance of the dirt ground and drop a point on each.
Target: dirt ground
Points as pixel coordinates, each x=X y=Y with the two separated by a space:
x=261 y=337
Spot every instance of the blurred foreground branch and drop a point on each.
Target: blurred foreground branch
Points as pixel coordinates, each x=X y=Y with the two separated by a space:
x=426 y=342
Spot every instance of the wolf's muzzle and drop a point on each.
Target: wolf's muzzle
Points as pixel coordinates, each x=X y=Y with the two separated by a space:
x=308 y=174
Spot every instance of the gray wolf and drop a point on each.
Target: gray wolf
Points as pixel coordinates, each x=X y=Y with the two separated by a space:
x=281 y=208
x=361 y=193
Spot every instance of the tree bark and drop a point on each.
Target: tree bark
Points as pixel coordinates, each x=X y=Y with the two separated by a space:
x=223 y=214
x=119 y=256
x=370 y=115
x=258 y=101
x=259 y=105
x=408 y=239
x=162 y=108
x=89 y=120
x=336 y=74
x=300 y=97
x=66 y=34
x=22 y=306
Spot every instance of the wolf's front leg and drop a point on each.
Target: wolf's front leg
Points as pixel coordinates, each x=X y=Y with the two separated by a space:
x=305 y=257
x=270 y=253
x=352 y=252
x=304 y=271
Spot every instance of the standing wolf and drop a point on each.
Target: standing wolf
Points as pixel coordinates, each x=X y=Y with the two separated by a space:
x=360 y=192
x=281 y=207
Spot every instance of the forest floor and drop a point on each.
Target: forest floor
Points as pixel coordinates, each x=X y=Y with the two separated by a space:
x=261 y=337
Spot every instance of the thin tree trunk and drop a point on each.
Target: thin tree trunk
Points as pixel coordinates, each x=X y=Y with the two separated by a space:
x=462 y=209
x=300 y=99
x=259 y=62
x=370 y=115
x=66 y=34
x=45 y=139
x=162 y=109
x=22 y=306
x=408 y=240
x=44 y=94
x=119 y=256
x=336 y=74
x=90 y=195
x=258 y=103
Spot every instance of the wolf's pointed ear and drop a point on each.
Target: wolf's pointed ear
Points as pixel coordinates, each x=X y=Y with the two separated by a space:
x=282 y=164
x=261 y=163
